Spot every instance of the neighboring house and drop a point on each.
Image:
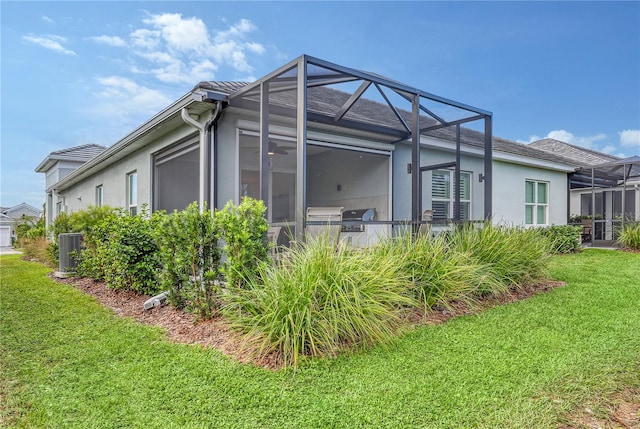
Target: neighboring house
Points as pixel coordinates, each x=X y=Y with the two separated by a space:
x=608 y=198
x=313 y=134
x=58 y=165
x=22 y=211
x=6 y=230
x=13 y=216
x=604 y=188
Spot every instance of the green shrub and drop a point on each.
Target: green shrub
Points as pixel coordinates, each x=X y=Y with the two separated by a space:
x=39 y=230
x=437 y=273
x=121 y=250
x=190 y=258
x=84 y=221
x=29 y=229
x=629 y=235
x=61 y=225
x=320 y=300
x=37 y=248
x=563 y=238
x=243 y=228
x=513 y=255
x=32 y=239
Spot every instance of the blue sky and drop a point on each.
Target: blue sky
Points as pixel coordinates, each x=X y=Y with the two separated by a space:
x=90 y=72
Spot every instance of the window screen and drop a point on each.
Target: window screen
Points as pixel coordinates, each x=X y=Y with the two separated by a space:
x=176 y=177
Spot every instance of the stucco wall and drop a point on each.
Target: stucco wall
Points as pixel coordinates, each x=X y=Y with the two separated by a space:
x=59 y=171
x=509 y=192
x=430 y=156
x=114 y=178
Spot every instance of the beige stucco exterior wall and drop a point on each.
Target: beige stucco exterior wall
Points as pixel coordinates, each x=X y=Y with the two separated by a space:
x=114 y=178
x=509 y=192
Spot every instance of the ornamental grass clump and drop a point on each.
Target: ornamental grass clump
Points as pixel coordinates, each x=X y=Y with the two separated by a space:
x=630 y=235
x=438 y=274
x=319 y=300
x=514 y=256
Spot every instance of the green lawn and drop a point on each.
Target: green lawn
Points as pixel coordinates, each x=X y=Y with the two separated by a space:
x=67 y=362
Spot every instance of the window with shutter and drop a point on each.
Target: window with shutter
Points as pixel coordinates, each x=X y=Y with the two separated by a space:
x=443 y=194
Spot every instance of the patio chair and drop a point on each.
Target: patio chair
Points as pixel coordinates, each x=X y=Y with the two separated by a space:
x=587 y=229
x=427 y=216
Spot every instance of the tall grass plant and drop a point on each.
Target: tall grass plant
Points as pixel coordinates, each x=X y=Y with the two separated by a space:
x=513 y=255
x=320 y=300
x=630 y=235
x=436 y=272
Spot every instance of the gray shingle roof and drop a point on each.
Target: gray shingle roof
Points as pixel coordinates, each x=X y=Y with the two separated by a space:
x=81 y=153
x=579 y=155
x=224 y=87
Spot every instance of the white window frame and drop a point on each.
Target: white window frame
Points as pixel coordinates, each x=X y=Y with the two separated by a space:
x=132 y=192
x=99 y=196
x=451 y=199
x=536 y=204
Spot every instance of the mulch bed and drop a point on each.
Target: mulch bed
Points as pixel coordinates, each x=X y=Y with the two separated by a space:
x=183 y=327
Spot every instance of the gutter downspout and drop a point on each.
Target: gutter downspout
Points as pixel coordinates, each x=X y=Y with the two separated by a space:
x=211 y=137
x=204 y=182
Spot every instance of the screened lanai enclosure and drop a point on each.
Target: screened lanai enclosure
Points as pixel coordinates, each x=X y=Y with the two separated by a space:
x=607 y=195
x=340 y=146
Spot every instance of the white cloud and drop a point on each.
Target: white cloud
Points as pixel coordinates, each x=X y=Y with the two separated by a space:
x=630 y=138
x=158 y=57
x=169 y=49
x=568 y=137
x=256 y=47
x=47 y=19
x=116 y=85
x=124 y=98
x=183 y=50
x=145 y=38
x=179 y=34
x=50 y=41
x=109 y=40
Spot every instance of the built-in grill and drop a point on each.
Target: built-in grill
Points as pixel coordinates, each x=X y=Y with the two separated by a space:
x=357 y=215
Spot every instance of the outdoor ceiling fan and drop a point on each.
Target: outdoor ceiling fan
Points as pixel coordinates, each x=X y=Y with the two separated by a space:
x=274 y=149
